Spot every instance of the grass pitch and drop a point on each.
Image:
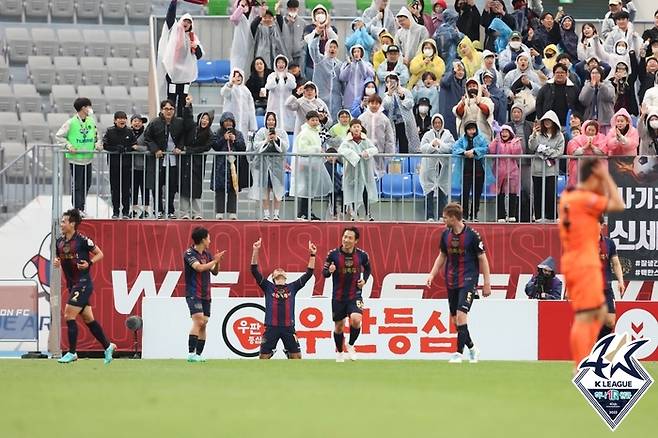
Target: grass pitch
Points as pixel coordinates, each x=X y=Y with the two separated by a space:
x=233 y=398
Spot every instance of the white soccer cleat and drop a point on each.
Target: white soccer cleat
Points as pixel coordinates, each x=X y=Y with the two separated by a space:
x=456 y=358
x=351 y=352
x=474 y=354
x=340 y=358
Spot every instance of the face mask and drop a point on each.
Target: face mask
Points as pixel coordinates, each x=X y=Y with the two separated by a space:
x=472 y=93
x=550 y=55
x=515 y=45
x=321 y=18
x=423 y=109
x=428 y=52
x=384 y=47
x=654 y=124
x=90 y=110
x=370 y=91
x=292 y=15
x=620 y=50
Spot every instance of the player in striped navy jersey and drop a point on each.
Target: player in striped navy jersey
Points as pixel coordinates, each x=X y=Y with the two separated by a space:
x=463 y=255
x=350 y=269
x=610 y=262
x=199 y=263
x=280 y=305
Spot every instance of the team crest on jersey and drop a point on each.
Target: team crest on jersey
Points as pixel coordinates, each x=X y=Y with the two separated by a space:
x=349 y=262
x=611 y=379
x=66 y=248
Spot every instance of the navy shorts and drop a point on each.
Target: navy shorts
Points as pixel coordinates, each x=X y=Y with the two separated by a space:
x=273 y=334
x=198 y=305
x=460 y=299
x=610 y=300
x=342 y=309
x=80 y=294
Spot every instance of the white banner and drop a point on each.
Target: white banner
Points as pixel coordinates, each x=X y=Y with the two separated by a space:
x=391 y=329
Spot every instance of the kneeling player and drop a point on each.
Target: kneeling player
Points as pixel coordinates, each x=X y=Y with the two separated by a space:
x=610 y=261
x=280 y=305
x=462 y=252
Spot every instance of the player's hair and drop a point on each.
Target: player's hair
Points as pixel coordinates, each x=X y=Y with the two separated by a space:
x=355 y=230
x=454 y=210
x=587 y=168
x=74 y=217
x=198 y=234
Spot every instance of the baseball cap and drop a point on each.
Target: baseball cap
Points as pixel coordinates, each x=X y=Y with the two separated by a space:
x=614 y=2
x=515 y=35
x=140 y=117
x=392 y=48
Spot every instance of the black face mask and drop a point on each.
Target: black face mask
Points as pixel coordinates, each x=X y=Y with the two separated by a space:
x=472 y=93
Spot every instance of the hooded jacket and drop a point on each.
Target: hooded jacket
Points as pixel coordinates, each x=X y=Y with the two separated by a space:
x=418 y=66
x=326 y=76
x=267 y=166
x=358 y=106
x=268 y=42
x=580 y=146
x=625 y=88
x=400 y=69
x=301 y=106
x=435 y=172
x=447 y=37
x=292 y=35
x=193 y=162
x=541 y=287
x=353 y=74
x=280 y=85
x=546 y=148
x=382 y=136
x=480 y=148
x=175 y=52
x=604 y=100
x=220 y=179
x=471 y=62
x=618 y=143
x=358 y=171
x=378 y=57
x=569 y=42
x=506 y=170
x=239 y=102
x=409 y=39
x=360 y=37
x=242 y=45
x=374 y=24
x=648 y=135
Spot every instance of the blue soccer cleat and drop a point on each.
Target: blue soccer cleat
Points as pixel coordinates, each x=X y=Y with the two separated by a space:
x=68 y=358
x=109 y=351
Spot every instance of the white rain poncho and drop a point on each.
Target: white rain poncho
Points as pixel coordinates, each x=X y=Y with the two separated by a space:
x=242 y=46
x=410 y=39
x=405 y=107
x=175 y=53
x=311 y=177
x=382 y=135
x=301 y=106
x=268 y=167
x=435 y=172
x=374 y=24
x=239 y=101
x=358 y=171
x=280 y=85
x=326 y=76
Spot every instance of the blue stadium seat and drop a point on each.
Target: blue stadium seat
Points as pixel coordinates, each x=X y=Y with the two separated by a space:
x=414 y=164
x=397 y=186
x=418 y=189
x=260 y=121
x=561 y=184
x=286 y=182
x=222 y=70
x=206 y=71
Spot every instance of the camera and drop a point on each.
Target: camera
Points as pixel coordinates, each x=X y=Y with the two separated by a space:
x=272 y=130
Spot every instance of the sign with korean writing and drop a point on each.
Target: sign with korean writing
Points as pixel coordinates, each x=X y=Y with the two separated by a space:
x=635 y=230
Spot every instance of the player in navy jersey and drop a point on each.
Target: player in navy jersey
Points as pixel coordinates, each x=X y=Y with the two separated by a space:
x=463 y=256
x=75 y=254
x=280 y=305
x=349 y=268
x=199 y=263
x=610 y=263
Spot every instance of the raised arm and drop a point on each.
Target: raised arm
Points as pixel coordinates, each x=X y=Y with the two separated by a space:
x=254 y=262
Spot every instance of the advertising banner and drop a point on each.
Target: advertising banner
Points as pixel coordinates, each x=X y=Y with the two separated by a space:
x=18 y=311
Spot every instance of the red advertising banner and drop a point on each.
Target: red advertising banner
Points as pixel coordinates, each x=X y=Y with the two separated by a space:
x=145 y=258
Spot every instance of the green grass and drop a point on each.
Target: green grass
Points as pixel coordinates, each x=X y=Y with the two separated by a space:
x=404 y=399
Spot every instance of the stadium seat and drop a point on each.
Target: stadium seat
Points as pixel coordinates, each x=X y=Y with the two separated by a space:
x=71 y=42
x=396 y=186
x=11 y=8
x=418 y=189
x=223 y=70
x=414 y=165
x=68 y=70
x=88 y=8
x=260 y=121
x=345 y=8
x=139 y=9
x=115 y=9
x=45 y=41
x=62 y=97
x=140 y=98
x=123 y=44
x=27 y=98
x=19 y=44
x=94 y=70
x=36 y=8
x=206 y=70
x=94 y=93
x=121 y=73
x=141 y=70
x=142 y=41
x=55 y=121
x=561 y=184
x=12 y=150
x=286 y=182
x=118 y=99
x=105 y=121
x=10 y=128
x=4 y=71
x=35 y=128
x=41 y=72
x=401 y=163
x=64 y=9
x=7 y=99
x=96 y=42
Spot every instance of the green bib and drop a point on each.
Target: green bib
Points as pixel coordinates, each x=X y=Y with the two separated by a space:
x=82 y=136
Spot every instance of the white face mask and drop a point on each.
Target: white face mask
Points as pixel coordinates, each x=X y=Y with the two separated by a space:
x=292 y=15
x=423 y=109
x=515 y=45
x=90 y=110
x=320 y=18
x=654 y=124
x=620 y=50
x=370 y=91
x=384 y=47
x=428 y=52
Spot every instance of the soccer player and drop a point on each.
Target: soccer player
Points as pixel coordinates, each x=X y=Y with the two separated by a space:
x=580 y=209
x=349 y=268
x=611 y=263
x=463 y=255
x=280 y=305
x=75 y=254
x=199 y=263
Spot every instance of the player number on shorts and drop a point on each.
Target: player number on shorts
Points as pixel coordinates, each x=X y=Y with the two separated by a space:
x=359 y=304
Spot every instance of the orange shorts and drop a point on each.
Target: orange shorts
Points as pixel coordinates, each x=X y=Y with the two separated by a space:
x=585 y=288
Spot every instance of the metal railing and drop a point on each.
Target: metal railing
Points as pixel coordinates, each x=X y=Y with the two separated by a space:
x=253 y=186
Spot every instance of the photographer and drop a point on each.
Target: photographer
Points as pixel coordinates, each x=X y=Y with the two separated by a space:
x=544 y=285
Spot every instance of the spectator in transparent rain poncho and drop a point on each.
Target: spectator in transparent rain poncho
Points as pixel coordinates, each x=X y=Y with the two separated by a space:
x=435 y=172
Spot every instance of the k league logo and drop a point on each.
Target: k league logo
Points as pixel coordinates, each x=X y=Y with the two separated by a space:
x=611 y=379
